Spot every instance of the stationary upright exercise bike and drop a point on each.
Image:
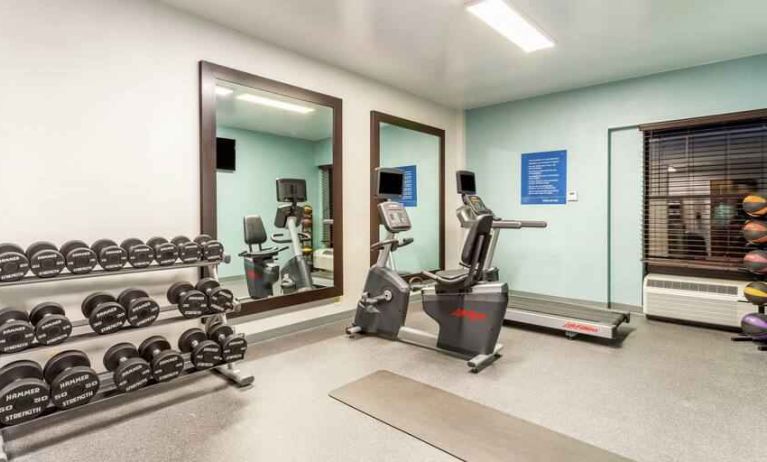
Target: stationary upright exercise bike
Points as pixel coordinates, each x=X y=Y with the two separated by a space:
x=295 y=274
x=469 y=312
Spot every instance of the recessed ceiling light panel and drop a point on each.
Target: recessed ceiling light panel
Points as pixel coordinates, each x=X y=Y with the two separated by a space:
x=255 y=99
x=507 y=22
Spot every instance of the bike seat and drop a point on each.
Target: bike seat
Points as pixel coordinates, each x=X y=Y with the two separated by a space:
x=264 y=254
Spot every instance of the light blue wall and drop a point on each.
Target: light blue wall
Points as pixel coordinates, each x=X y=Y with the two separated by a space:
x=569 y=259
x=401 y=147
x=250 y=190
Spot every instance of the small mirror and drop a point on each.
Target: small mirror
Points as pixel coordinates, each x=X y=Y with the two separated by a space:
x=274 y=191
x=417 y=150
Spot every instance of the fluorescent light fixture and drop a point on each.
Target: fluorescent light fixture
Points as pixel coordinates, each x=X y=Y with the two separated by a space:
x=507 y=22
x=223 y=91
x=275 y=103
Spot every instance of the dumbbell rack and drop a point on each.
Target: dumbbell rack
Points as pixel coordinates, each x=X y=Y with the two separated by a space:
x=81 y=330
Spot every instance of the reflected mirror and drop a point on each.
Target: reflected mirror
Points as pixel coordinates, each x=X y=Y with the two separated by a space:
x=275 y=190
x=417 y=150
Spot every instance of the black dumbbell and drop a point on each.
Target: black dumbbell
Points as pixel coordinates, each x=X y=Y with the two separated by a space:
x=23 y=392
x=205 y=353
x=78 y=257
x=16 y=332
x=104 y=313
x=14 y=264
x=51 y=324
x=111 y=256
x=219 y=299
x=140 y=309
x=191 y=302
x=166 y=364
x=188 y=251
x=72 y=380
x=212 y=250
x=165 y=253
x=45 y=260
x=233 y=347
x=140 y=255
x=129 y=370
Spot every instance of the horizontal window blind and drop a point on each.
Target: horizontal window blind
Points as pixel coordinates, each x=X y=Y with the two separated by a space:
x=694 y=181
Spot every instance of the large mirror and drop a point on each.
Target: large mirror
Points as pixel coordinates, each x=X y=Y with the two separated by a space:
x=271 y=193
x=419 y=151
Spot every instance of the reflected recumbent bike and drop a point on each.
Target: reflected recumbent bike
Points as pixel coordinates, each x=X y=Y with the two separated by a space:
x=469 y=312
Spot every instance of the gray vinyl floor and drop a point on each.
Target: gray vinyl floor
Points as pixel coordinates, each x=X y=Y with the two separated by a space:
x=669 y=393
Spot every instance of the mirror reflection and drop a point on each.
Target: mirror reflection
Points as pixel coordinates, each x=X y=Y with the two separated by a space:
x=417 y=154
x=274 y=177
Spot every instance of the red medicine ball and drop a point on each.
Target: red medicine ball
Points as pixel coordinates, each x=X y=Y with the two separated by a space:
x=756 y=262
x=755 y=231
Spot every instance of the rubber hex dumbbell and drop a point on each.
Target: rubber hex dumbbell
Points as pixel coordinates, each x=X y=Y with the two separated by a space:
x=233 y=347
x=140 y=309
x=205 y=353
x=212 y=250
x=72 y=380
x=129 y=370
x=14 y=263
x=16 y=332
x=104 y=313
x=166 y=364
x=51 y=324
x=219 y=299
x=190 y=302
x=23 y=392
x=45 y=260
x=111 y=256
x=188 y=251
x=78 y=257
x=165 y=253
x=140 y=255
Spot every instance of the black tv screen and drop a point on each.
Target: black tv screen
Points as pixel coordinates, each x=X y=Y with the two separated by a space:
x=225 y=154
x=466 y=183
x=390 y=183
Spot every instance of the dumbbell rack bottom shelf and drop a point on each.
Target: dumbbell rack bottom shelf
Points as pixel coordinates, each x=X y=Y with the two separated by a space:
x=107 y=393
x=102 y=273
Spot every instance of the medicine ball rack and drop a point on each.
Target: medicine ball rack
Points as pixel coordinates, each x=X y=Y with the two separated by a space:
x=107 y=387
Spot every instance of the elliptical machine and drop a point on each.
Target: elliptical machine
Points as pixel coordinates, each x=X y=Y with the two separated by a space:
x=469 y=312
x=295 y=274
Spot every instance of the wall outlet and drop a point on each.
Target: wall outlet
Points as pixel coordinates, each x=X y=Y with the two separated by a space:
x=572 y=196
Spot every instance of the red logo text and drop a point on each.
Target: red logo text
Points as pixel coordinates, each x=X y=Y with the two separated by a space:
x=468 y=314
x=580 y=327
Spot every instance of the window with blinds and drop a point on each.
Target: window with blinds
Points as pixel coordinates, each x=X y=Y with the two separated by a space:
x=326 y=172
x=695 y=178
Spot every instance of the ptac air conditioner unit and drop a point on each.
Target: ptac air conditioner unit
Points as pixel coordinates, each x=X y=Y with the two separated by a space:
x=710 y=301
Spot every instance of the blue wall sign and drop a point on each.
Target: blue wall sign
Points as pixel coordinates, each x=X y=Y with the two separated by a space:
x=410 y=186
x=544 y=177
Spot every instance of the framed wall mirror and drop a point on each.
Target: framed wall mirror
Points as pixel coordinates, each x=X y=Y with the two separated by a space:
x=270 y=166
x=419 y=151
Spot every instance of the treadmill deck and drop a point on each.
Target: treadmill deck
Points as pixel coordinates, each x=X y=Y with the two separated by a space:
x=573 y=319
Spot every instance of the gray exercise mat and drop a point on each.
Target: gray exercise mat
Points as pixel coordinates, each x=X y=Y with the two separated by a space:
x=462 y=428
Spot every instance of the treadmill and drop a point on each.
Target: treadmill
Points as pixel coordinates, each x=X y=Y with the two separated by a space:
x=571 y=319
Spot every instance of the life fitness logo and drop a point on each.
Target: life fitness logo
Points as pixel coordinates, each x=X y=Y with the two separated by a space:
x=471 y=315
x=580 y=327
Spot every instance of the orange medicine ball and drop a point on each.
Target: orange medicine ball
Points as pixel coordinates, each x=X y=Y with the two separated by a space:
x=755 y=231
x=755 y=205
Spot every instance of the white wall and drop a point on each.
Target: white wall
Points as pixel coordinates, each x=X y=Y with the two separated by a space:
x=99 y=129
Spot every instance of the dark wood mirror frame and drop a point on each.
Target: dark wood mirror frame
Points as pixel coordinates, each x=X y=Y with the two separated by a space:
x=209 y=73
x=376 y=119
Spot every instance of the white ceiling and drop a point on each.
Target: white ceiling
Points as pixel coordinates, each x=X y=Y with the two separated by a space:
x=436 y=49
x=236 y=113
